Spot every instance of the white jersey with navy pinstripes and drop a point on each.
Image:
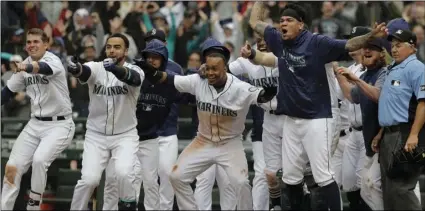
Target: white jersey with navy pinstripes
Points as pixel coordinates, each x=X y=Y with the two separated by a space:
x=112 y=108
x=49 y=93
x=221 y=114
x=259 y=76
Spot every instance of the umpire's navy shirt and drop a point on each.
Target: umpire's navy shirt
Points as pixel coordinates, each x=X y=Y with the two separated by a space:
x=303 y=84
x=403 y=87
x=368 y=107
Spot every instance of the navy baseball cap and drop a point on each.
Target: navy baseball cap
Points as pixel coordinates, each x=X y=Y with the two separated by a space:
x=155 y=34
x=396 y=24
x=403 y=36
x=357 y=31
x=380 y=44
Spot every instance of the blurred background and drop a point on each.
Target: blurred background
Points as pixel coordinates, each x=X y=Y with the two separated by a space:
x=81 y=28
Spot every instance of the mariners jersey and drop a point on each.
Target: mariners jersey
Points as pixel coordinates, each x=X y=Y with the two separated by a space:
x=354 y=109
x=221 y=115
x=259 y=76
x=49 y=93
x=112 y=108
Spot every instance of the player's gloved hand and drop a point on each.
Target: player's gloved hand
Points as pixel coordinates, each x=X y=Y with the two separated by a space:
x=73 y=66
x=109 y=63
x=145 y=66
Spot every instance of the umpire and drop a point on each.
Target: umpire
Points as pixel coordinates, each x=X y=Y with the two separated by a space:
x=401 y=111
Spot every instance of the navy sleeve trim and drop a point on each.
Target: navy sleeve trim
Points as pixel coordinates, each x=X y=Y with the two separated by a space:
x=6 y=95
x=44 y=69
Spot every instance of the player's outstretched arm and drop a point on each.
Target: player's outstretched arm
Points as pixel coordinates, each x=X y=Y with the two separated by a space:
x=258 y=57
x=152 y=74
x=124 y=74
x=82 y=72
x=256 y=19
x=35 y=67
x=6 y=95
x=267 y=94
x=355 y=43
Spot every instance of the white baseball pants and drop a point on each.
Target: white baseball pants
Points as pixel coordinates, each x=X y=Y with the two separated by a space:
x=272 y=141
x=307 y=140
x=260 y=191
x=200 y=155
x=336 y=160
x=204 y=186
x=353 y=161
x=168 y=152
x=98 y=150
x=39 y=144
x=147 y=167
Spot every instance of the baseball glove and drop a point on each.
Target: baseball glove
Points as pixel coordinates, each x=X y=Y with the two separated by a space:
x=404 y=162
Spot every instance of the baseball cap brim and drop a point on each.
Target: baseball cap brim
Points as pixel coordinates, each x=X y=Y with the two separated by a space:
x=151 y=37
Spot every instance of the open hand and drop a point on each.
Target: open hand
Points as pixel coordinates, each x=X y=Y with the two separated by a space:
x=246 y=50
x=347 y=73
x=379 y=30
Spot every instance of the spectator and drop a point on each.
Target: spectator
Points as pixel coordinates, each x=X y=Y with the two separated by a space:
x=188 y=37
x=418 y=30
x=194 y=61
x=115 y=26
x=15 y=44
x=231 y=48
x=327 y=24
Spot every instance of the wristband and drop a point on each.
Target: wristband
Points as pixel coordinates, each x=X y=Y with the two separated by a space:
x=253 y=54
x=29 y=68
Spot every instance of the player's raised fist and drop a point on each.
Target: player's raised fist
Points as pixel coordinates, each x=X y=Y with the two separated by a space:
x=109 y=63
x=246 y=50
x=73 y=65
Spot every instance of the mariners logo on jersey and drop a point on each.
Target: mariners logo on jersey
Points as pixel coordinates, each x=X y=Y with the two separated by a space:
x=100 y=89
x=215 y=109
x=36 y=79
x=293 y=61
x=264 y=82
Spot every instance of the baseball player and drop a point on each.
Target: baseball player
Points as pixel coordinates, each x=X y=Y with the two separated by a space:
x=154 y=104
x=50 y=129
x=114 y=86
x=167 y=135
x=304 y=96
x=258 y=76
x=266 y=148
x=223 y=102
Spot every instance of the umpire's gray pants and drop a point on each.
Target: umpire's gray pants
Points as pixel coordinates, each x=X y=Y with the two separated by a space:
x=397 y=193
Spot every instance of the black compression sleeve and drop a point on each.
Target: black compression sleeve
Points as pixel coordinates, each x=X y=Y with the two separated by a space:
x=126 y=75
x=267 y=94
x=44 y=69
x=85 y=73
x=6 y=95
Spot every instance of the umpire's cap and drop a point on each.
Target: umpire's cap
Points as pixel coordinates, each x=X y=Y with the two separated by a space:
x=403 y=36
x=212 y=45
x=357 y=31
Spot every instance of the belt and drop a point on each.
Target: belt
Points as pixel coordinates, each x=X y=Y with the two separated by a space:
x=55 y=118
x=393 y=128
x=360 y=128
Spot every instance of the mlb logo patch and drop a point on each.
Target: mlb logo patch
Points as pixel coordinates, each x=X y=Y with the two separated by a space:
x=422 y=88
x=395 y=83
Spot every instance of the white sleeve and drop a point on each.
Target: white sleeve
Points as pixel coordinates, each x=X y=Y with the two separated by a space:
x=16 y=83
x=250 y=93
x=187 y=83
x=54 y=63
x=236 y=67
